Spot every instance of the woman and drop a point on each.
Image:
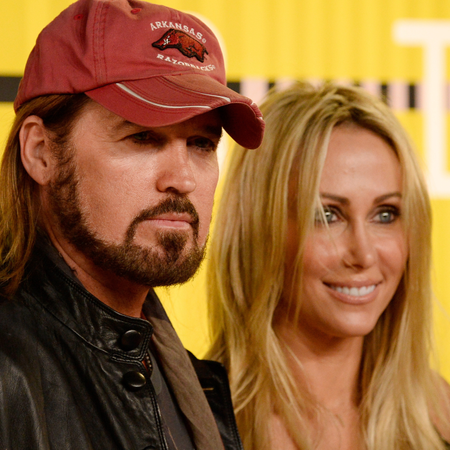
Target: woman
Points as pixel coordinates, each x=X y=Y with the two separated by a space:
x=319 y=281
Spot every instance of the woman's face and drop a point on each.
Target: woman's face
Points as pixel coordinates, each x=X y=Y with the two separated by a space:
x=352 y=267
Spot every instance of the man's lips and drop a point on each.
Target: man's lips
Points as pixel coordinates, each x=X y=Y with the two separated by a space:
x=173 y=220
x=176 y=213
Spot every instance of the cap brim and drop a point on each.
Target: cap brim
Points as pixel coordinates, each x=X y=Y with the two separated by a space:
x=166 y=100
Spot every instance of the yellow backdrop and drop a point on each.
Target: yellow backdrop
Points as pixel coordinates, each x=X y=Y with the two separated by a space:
x=271 y=42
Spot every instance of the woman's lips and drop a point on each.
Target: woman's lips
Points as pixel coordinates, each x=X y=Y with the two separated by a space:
x=354 y=291
x=354 y=294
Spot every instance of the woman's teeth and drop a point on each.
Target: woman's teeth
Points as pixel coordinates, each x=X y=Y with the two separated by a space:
x=354 y=291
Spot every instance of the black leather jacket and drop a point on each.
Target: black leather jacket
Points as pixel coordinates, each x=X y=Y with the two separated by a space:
x=62 y=366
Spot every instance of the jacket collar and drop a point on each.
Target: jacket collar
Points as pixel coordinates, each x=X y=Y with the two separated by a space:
x=52 y=283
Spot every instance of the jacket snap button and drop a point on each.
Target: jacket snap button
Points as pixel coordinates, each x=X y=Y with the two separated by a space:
x=134 y=380
x=130 y=340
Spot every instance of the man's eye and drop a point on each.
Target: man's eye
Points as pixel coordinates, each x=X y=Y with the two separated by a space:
x=203 y=144
x=143 y=137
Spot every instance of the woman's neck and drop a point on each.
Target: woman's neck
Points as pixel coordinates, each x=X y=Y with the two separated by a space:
x=328 y=368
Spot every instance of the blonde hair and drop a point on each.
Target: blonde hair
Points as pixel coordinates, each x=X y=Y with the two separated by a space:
x=247 y=276
x=19 y=207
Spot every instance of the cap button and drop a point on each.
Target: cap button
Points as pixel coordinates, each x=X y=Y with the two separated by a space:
x=134 y=380
x=130 y=340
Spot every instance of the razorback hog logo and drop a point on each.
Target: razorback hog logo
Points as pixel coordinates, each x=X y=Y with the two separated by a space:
x=183 y=42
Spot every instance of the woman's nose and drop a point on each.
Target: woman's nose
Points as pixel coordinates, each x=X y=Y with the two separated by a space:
x=361 y=251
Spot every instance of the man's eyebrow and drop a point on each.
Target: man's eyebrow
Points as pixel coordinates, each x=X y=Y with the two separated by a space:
x=123 y=125
x=214 y=130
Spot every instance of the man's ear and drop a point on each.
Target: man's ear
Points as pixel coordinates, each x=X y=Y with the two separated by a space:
x=35 y=150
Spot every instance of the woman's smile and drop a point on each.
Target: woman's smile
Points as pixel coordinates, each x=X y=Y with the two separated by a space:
x=356 y=253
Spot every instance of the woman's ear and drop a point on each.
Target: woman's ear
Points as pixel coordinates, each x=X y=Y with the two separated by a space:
x=35 y=150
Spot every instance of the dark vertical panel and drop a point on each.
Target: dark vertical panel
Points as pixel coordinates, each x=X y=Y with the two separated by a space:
x=412 y=96
x=235 y=85
x=384 y=92
x=8 y=88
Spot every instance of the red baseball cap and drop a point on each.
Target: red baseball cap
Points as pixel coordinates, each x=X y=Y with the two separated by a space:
x=150 y=64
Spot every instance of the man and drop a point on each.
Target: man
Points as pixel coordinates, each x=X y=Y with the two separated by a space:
x=106 y=191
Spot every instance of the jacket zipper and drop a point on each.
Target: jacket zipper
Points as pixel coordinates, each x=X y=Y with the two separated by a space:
x=147 y=363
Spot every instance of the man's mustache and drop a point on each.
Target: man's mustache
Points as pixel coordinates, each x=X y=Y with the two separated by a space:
x=172 y=204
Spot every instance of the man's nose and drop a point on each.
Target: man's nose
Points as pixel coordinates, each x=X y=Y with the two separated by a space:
x=176 y=173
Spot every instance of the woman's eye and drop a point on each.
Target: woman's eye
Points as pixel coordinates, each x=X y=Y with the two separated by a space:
x=330 y=216
x=327 y=215
x=387 y=215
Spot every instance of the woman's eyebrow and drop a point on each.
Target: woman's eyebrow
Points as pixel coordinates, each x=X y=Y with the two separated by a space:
x=384 y=197
x=345 y=200
x=336 y=198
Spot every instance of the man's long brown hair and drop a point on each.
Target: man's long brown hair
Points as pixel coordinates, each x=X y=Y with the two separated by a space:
x=19 y=206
